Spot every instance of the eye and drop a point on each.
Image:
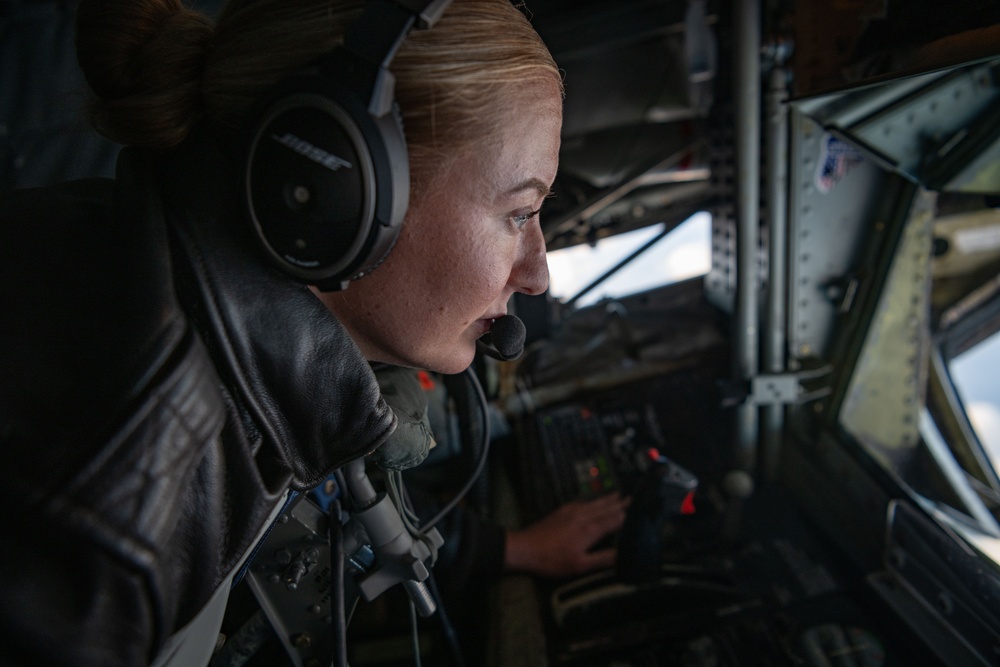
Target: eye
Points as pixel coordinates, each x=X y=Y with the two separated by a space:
x=521 y=219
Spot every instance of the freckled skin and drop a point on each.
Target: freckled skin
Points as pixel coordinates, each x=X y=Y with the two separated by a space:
x=460 y=254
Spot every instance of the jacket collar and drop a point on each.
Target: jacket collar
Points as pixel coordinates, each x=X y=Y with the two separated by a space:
x=296 y=372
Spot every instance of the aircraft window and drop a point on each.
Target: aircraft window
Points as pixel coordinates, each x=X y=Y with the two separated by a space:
x=683 y=253
x=974 y=374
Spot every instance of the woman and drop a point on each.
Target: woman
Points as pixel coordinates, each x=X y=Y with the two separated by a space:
x=153 y=418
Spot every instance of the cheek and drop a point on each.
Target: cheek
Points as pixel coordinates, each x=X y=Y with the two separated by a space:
x=460 y=261
x=483 y=265
x=465 y=256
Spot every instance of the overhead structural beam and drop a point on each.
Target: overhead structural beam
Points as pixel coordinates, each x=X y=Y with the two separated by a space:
x=643 y=175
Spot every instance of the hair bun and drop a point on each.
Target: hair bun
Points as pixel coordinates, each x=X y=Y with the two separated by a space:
x=144 y=61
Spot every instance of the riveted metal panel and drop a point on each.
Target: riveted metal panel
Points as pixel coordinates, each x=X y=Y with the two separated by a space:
x=720 y=283
x=925 y=120
x=834 y=194
x=886 y=391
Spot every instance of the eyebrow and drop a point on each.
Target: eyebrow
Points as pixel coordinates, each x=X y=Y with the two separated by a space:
x=531 y=184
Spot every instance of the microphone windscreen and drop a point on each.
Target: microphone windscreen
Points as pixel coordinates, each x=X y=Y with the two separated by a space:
x=507 y=335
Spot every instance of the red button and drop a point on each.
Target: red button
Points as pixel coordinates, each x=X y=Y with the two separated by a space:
x=687 y=507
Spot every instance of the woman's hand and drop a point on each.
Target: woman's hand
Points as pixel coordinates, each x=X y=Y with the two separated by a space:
x=559 y=544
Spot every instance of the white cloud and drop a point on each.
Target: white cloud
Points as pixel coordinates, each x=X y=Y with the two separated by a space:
x=685 y=253
x=687 y=261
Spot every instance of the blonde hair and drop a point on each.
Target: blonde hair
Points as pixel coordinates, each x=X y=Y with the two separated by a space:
x=158 y=68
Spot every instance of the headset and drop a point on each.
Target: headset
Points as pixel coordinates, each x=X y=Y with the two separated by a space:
x=327 y=173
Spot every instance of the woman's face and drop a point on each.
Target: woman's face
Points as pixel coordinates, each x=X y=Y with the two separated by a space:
x=469 y=241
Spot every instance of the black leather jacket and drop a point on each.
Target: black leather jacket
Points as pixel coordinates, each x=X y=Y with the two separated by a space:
x=160 y=389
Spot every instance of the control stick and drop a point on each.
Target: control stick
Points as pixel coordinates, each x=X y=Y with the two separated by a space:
x=665 y=491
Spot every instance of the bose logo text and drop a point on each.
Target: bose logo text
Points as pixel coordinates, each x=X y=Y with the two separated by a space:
x=314 y=153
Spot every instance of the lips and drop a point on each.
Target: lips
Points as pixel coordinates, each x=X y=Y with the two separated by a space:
x=483 y=325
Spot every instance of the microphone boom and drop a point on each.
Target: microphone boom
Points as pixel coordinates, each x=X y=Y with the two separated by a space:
x=505 y=340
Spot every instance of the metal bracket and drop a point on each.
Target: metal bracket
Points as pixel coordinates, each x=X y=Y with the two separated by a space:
x=788 y=388
x=770 y=389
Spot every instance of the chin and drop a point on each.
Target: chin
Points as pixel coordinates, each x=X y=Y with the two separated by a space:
x=455 y=361
x=449 y=359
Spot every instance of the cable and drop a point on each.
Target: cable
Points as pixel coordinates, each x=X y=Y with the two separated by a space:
x=344 y=491
x=414 y=634
x=484 y=409
x=396 y=489
x=338 y=613
x=397 y=494
x=451 y=637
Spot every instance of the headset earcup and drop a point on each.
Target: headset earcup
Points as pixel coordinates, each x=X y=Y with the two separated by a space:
x=326 y=183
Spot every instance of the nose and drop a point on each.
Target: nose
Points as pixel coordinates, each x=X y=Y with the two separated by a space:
x=530 y=273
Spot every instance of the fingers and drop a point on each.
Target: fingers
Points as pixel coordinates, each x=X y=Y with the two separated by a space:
x=560 y=543
x=595 y=560
x=611 y=503
x=604 y=515
x=577 y=526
